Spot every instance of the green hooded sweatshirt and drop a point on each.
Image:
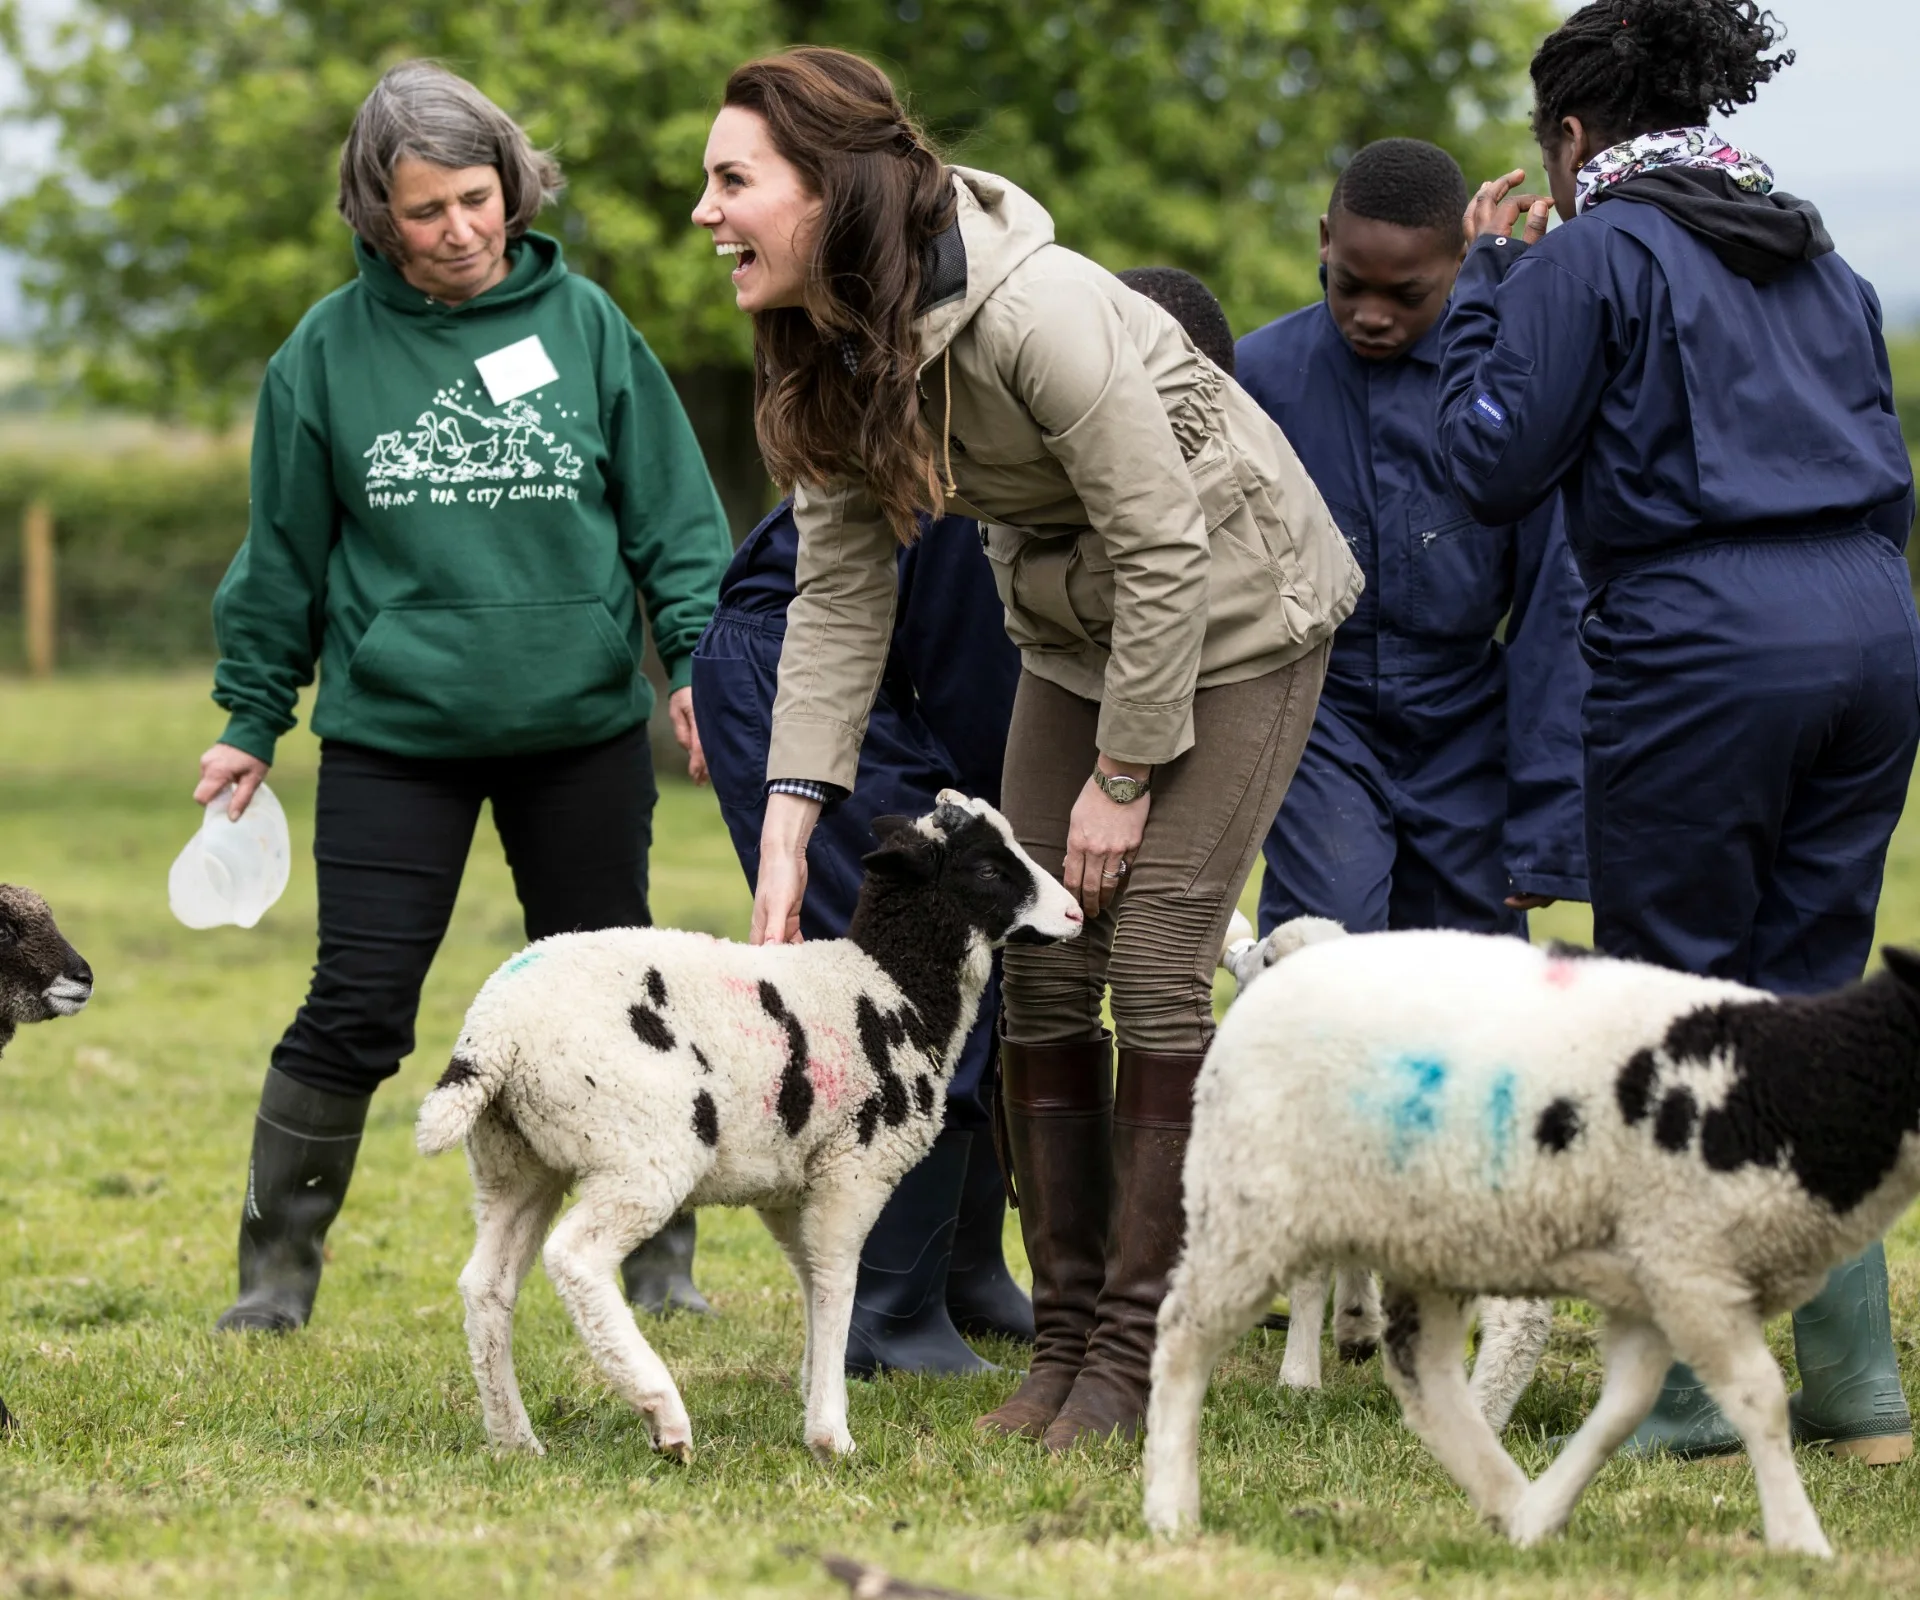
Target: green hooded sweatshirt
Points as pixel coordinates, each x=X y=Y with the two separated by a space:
x=456 y=540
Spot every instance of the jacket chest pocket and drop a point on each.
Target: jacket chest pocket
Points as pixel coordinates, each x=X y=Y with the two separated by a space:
x=1458 y=583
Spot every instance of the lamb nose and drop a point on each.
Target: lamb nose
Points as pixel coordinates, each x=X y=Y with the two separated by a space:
x=80 y=972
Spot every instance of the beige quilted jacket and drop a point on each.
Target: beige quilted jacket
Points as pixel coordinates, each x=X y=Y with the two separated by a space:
x=1150 y=528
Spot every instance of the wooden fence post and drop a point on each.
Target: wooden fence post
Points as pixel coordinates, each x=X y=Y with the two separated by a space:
x=37 y=589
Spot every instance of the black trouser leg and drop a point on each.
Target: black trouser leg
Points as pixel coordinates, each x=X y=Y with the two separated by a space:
x=390 y=839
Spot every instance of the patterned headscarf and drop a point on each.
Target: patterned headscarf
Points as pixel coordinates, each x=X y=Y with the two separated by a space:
x=1700 y=148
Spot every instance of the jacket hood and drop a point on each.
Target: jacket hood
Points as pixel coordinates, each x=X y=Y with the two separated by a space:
x=1758 y=236
x=534 y=266
x=1000 y=225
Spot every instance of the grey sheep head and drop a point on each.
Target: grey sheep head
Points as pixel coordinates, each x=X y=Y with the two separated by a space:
x=41 y=975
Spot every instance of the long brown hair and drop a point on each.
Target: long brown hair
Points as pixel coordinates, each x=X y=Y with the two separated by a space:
x=836 y=391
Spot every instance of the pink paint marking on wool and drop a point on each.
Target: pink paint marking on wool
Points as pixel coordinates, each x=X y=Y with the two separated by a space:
x=829 y=1070
x=1562 y=974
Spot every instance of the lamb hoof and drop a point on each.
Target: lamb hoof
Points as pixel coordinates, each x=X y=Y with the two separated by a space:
x=829 y=1447
x=1167 y=1517
x=1526 y=1526
x=675 y=1439
x=522 y=1444
x=1358 y=1352
x=1813 y=1544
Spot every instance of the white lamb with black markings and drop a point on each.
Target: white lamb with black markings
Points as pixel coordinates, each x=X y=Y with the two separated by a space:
x=652 y=1070
x=1513 y=1332
x=1690 y=1155
x=41 y=977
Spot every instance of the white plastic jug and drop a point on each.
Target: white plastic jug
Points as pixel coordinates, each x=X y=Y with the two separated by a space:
x=232 y=871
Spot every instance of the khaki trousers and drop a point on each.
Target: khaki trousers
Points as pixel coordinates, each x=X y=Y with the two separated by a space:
x=1158 y=943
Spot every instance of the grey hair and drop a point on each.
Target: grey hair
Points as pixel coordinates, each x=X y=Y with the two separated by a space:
x=420 y=109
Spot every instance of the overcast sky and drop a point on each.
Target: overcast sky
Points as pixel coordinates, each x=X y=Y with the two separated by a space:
x=1830 y=125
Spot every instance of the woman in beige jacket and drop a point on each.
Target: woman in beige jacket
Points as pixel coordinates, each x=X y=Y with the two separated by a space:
x=1171 y=578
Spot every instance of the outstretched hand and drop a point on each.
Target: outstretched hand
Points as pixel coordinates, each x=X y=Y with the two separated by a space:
x=223 y=765
x=1495 y=210
x=687 y=732
x=781 y=883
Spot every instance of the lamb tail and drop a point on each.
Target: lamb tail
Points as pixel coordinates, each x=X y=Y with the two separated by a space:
x=465 y=1089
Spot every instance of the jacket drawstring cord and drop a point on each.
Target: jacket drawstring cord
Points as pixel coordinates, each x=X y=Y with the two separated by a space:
x=946 y=436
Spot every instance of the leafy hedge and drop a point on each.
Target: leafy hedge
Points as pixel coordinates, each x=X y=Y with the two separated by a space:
x=143 y=538
x=140 y=542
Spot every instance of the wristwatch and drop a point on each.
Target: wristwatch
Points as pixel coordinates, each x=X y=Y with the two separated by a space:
x=1121 y=789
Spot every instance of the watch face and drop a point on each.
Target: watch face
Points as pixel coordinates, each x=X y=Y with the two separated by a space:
x=1123 y=790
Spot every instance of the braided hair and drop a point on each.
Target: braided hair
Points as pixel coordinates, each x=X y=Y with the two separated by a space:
x=1628 y=67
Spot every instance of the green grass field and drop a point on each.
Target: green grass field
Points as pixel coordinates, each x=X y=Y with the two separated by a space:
x=349 y=1459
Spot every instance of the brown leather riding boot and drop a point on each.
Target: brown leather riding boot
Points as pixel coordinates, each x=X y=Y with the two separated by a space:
x=1153 y=1114
x=1057 y=1100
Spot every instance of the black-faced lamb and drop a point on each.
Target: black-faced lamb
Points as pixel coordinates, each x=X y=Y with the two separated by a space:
x=653 y=1070
x=41 y=977
x=1690 y=1155
x=1513 y=1332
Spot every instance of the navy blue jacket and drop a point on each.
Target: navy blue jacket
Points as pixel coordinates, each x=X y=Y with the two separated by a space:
x=939 y=721
x=1438 y=585
x=1671 y=401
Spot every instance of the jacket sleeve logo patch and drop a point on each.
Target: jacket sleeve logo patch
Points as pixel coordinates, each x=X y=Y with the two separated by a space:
x=516 y=369
x=1484 y=404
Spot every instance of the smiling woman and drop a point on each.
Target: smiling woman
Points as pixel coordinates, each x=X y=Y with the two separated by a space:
x=1166 y=567
x=469 y=476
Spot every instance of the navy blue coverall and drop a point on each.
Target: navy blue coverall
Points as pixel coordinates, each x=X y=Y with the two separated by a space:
x=1737 y=498
x=940 y=721
x=1443 y=772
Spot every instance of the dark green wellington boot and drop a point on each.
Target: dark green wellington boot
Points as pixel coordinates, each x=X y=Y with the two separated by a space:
x=1850 y=1398
x=982 y=1297
x=900 y=1321
x=658 y=1275
x=1684 y=1422
x=304 y=1145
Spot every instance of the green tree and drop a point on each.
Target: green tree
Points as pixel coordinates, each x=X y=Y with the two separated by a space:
x=189 y=221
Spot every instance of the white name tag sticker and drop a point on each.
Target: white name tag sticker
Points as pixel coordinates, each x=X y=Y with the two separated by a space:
x=516 y=369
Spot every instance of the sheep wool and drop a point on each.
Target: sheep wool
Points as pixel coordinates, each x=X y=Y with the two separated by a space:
x=1690 y=1155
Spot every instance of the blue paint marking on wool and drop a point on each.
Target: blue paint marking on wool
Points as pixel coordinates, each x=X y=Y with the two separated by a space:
x=1411 y=1106
x=525 y=959
x=1500 y=1120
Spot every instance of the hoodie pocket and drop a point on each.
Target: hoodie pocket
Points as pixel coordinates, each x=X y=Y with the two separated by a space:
x=496 y=676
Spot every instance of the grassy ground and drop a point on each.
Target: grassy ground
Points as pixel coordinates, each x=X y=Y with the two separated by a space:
x=349 y=1460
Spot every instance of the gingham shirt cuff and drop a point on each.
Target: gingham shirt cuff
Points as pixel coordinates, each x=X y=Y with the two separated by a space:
x=806 y=788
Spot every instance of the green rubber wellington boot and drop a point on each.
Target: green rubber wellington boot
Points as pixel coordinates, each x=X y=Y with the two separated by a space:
x=658 y=1275
x=305 y=1142
x=1684 y=1422
x=1850 y=1398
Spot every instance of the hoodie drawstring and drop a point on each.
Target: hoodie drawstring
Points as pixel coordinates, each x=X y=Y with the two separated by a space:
x=946 y=434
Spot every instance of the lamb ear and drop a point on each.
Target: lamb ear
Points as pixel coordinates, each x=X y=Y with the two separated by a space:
x=909 y=856
x=1904 y=965
x=885 y=829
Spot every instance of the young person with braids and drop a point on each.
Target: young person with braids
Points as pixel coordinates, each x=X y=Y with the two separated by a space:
x=1166 y=568
x=1705 y=381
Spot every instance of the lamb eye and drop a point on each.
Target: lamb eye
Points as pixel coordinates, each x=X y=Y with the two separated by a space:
x=9 y=934
x=987 y=869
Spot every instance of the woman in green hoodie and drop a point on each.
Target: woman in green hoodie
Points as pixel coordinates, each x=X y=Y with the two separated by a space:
x=468 y=472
